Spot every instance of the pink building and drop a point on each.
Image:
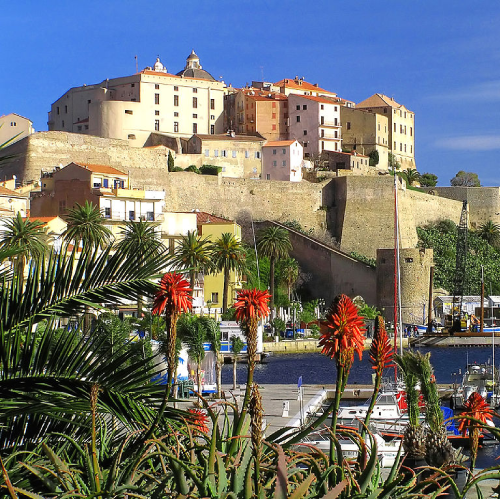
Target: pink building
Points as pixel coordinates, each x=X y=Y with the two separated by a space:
x=282 y=161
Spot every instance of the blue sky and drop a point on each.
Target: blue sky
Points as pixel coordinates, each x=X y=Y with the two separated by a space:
x=441 y=59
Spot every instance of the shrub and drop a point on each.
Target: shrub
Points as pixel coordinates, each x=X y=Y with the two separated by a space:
x=177 y=169
x=210 y=170
x=193 y=168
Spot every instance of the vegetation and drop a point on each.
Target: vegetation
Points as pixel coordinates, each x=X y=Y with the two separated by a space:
x=466 y=179
x=374 y=158
x=428 y=180
x=393 y=162
x=193 y=168
x=442 y=238
x=170 y=162
x=210 y=170
x=410 y=175
x=363 y=258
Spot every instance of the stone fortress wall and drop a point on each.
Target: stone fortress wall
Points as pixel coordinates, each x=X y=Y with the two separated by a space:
x=356 y=211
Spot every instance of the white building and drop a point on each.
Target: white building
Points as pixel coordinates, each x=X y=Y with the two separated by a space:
x=282 y=161
x=315 y=122
x=153 y=100
x=14 y=126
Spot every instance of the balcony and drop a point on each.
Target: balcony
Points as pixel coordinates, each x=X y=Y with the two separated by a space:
x=331 y=124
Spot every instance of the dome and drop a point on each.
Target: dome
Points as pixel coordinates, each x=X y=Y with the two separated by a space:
x=158 y=66
x=192 y=56
x=193 y=68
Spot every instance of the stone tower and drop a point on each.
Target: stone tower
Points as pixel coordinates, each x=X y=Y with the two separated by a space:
x=415 y=265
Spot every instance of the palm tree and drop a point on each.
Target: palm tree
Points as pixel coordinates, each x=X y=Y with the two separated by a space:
x=193 y=255
x=137 y=239
x=28 y=238
x=273 y=242
x=410 y=175
x=289 y=274
x=86 y=225
x=490 y=232
x=227 y=255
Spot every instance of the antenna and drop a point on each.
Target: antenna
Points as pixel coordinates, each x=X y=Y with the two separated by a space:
x=136 y=65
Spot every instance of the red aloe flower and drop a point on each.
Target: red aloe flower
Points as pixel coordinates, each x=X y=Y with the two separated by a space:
x=251 y=304
x=381 y=351
x=475 y=407
x=345 y=335
x=200 y=420
x=173 y=295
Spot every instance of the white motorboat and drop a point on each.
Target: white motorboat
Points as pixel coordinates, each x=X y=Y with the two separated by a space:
x=482 y=378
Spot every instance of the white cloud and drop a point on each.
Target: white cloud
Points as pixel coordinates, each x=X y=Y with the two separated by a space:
x=470 y=143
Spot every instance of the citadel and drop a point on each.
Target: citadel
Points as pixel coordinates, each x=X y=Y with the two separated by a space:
x=289 y=153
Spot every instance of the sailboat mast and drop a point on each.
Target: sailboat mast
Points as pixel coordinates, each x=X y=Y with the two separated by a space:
x=398 y=325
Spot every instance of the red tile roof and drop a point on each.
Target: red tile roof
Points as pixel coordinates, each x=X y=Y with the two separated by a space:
x=303 y=85
x=206 y=218
x=101 y=169
x=278 y=143
x=325 y=99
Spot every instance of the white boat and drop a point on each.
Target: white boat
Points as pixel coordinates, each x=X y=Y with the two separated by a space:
x=386 y=451
x=482 y=378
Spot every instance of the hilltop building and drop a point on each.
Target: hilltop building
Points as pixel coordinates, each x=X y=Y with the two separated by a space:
x=282 y=161
x=153 y=100
x=401 y=126
x=15 y=127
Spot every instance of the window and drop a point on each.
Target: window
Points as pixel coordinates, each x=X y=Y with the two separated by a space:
x=176 y=89
x=157 y=124
x=322 y=120
x=79 y=128
x=283 y=163
x=216 y=152
x=97 y=182
x=322 y=145
x=176 y=126
x=87 y=127
x=385 y=110
x=223 y=153
x=157 y=112
x=57 y=109
x=408 y=259
x=62 y=123
x=274 y=151
x=394 y=126
x=268 y=177
x=150 y=216
x=207 y=152
x=411 y=131
x=395 y=145
x=107 y=212
x=195 y=115
x=304 y=106
x=400 y=128
x=298 y=107
x=273 y=126
x=405 y=148
x=283 y=151
x=306 y=143
x=378 y=125
x=62 y=206
x=65 y=109
x=335 y=122
x=400 y=146
x=348 y=125
x=322 y=132
x=195 y=91
x=247 y=154
x=215 y=297
x=335 y=108
x=176 y=114
x=131 y=136
x=257 y=155
x=129 y=112
x=157 y=98
x=275 y=163
x=131 y=214
x=298 y=119
x=322 y=106
x=233 y=154
x=195 y=128
x=133 y=85
x=336 y=134
x=195 y=102
x=176 y=100
x=105 y=183
x=156 y=86
x=212 y=117
x=212 y=103
x=305 y=132
x=212 y=129
x=273 y=116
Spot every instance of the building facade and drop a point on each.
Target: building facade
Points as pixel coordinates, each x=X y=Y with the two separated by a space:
x=282 y=161
x=14 y=127
x=153 y=100
x=401 y=126
x=315 y=122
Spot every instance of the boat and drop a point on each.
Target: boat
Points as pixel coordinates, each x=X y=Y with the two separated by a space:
x=387 y=451
x=482 y=378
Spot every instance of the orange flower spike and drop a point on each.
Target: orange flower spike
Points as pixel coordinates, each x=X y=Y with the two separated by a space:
x=173 y=295
x=346 y=329
x=251 y=304
x=381 y=351
x=475 y=407
x=200 y=420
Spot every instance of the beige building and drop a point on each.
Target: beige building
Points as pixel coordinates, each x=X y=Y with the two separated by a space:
x=15 y=127
x=365 y=131
x=13 y=202
x=352 y=162
x=104 y=186
x=315 y=122
x=401 y=124
x=282 y=161
x=153 y=100
x=238 y=155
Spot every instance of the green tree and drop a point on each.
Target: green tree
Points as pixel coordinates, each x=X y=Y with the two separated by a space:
x=374 y=158
x=170 y=162
x=410 y=175
x=25 y=237
x=140 y=239
x=227 y=255
x=273 y=242
x=467 y=179
x=288 y=274
x=393 y=162
x=86 y=224
x=193 y=255
x=236 y=346
x=490 y=232
x=428 y=180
